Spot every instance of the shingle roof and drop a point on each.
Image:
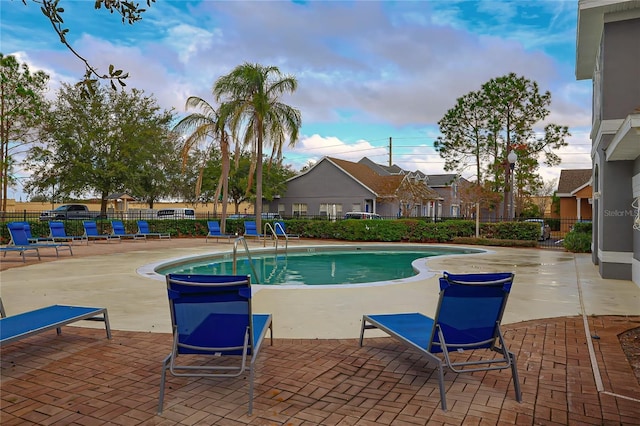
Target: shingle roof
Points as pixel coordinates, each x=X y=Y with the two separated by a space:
x=571 y=179
x=417 y=188
x=383 y=186
x=441 y=180
x=381 y=169
x=378 y=168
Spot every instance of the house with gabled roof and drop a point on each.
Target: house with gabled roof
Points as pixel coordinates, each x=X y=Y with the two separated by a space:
x=448 y=187
x=333 y=187
x=576 y=196
x=451 y=203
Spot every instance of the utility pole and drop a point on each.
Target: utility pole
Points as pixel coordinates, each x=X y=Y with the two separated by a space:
x=390 y=151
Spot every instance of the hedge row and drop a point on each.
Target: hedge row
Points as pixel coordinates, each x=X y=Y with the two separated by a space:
x=407 y=230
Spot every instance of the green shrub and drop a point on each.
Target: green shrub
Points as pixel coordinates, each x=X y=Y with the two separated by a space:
x=368 y=230
x=411 y=230
x=578 y=242
x=582 y=227
x=516 y=231
x=554 y=224
x=495 y=242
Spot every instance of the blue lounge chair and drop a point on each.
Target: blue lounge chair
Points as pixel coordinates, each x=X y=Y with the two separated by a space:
x=468 y=317
x=91 y=232
x=19 y=238
x=57 y=233
x=118 y=229
x=211 y=315
x=251 y=229
x=281 y=230
x=19 y=250
x=143 y=228
x=31 y=238
x=215 y=232
x=16 y=327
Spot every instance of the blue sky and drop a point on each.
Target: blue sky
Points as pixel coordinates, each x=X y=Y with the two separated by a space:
x=367 y=70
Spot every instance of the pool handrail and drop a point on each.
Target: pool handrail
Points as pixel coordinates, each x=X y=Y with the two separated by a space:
x=284 y=233
x=235 y=258
x=267 y=226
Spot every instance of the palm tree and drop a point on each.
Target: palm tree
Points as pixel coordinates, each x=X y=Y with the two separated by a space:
x=200 y=127
x=250 y=96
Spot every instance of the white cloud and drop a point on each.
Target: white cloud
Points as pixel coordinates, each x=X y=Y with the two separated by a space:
x=188 y=40
x=361 y=66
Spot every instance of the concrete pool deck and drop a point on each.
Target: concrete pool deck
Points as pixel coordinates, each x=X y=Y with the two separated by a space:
x=548 y=284
x=572 y=368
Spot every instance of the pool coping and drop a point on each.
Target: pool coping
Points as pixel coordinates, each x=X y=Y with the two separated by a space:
x=419 y=265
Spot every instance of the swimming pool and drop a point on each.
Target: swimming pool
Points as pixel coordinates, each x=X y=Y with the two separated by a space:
x=318 y=266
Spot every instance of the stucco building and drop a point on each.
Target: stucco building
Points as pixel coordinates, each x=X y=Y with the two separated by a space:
x=608 y=53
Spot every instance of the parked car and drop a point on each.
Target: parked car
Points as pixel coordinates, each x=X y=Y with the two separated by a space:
x=271 y=216
x=178 y=213
x=267 y=216
x=545 y=230
x=362 y=215
x=70 y=211
x=237 y=216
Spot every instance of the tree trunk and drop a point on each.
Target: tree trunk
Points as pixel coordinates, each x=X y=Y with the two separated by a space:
x=258 y=205
x=4 y=138
x=103 y=204
x=224 y=145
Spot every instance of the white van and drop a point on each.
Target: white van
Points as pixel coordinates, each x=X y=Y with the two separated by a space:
x=362 y=215
x=179 y=213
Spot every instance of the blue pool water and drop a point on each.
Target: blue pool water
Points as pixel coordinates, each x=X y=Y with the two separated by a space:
x=316 y=267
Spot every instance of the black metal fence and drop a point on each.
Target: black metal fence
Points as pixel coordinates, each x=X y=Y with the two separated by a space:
x=552 y=232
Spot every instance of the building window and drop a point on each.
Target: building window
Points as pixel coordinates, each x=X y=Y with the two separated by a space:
x=356 y=207
x=330 y=210
x=281 y=210
x=455 y=211
x=299 y=209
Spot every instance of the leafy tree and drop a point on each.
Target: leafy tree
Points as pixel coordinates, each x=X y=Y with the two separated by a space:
x=22 y=105
x=251 y=104
x=130 y=12
x=516 y=105
x=464 y=140
x=207 y=126
x=532 y=200
x=464 y=143
x=485 y=126
x=183 y=180
x=156 y=175
x=275 y=178
x=555 y=204
x=39 y=199
x=239 y=186
x=102 y=143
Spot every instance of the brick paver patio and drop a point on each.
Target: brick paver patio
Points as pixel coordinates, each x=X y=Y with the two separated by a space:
x=81 y=378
